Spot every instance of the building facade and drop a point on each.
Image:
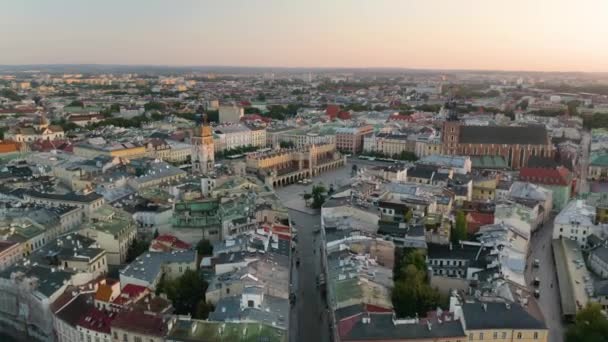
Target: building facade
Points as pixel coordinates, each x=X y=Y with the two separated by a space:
x=203 y=153
x=514 y=144
x=350 y=139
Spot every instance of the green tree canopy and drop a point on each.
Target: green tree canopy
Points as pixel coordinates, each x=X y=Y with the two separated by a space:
x=187 y=293
x=318 y=195
x=459 y=231
x=590 y=325
x=136 y=248
x=76 y=103
x=154 y=106
x=204 y=247
x=412 y=293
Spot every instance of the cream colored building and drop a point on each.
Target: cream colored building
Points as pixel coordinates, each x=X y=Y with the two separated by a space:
x=388 y=144
x=10 y=253
x=122 y=150
x=499 y=320
x=40 y=129
x=258 y=136
x=114 y=230
x=287 y=166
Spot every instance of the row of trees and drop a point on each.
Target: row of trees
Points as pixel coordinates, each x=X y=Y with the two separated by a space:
x=596 y=120
x=403 y=155
x=412 y=293
x=235 y=151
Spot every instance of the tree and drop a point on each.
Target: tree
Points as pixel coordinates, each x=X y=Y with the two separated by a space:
x=412 y=293
x=523 y=105
x=252 y=110
x=203 y=309
x=154 y=106
x=287 y=144
x=318 y=195
x=76 y=103
x=459 y=232
x=186 y=293
x=590 y=325
x=156 y=116
x=137 y=248
x=204 y=248
x=407 y=217
x=573 y=107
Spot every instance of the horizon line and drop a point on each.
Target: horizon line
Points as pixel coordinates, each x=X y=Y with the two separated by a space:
x=302 y=67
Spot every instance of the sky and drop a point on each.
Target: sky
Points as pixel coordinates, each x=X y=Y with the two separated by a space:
x=534 y=35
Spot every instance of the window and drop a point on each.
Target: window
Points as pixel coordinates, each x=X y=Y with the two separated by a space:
x=250 y=303
x=495 y=335
x=125 y=337
x=504 y=335
x=481 y=336
x=137 y=339
x=519 y=336
x=471 y=337
x=536 y=335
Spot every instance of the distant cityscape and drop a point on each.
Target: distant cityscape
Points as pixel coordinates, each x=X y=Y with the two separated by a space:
x=182 y=204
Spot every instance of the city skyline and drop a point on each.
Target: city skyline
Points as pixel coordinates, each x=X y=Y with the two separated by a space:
x=465 y=35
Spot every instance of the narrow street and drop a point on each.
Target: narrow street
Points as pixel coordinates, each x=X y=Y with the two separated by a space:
x=584 y=163
x=549 y=301
x=308 y=315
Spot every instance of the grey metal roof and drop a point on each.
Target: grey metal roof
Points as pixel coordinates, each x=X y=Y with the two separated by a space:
x=509 y=135
x=601 y=253
x=496 y=315
x=382 y=327
x=148 y=265
x=273 y=311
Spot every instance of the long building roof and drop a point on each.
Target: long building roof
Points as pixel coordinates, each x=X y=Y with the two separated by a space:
x=510 y=135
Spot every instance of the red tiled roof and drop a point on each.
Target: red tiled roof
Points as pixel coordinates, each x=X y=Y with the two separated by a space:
x=400 y=117
x=18 y=110
x=344 y=115
x=169 y=241
x=4 y=245
x=332 y=111
x=141 y=323
x=549 y=176
x=130 y=292
x=104 y=293
x=476 y=220
x=97 y=320
x=8 y=146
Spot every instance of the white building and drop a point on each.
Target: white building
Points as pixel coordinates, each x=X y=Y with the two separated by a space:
x=228 y=137
x=231 y=113
x=576 y=222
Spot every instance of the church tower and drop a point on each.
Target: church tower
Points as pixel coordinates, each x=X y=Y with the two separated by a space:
x=202 y=149
x=450 y=135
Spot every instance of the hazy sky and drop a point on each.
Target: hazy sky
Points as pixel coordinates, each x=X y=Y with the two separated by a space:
x=546 y=35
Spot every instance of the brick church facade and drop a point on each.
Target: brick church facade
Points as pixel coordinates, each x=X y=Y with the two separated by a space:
x=514 y=143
